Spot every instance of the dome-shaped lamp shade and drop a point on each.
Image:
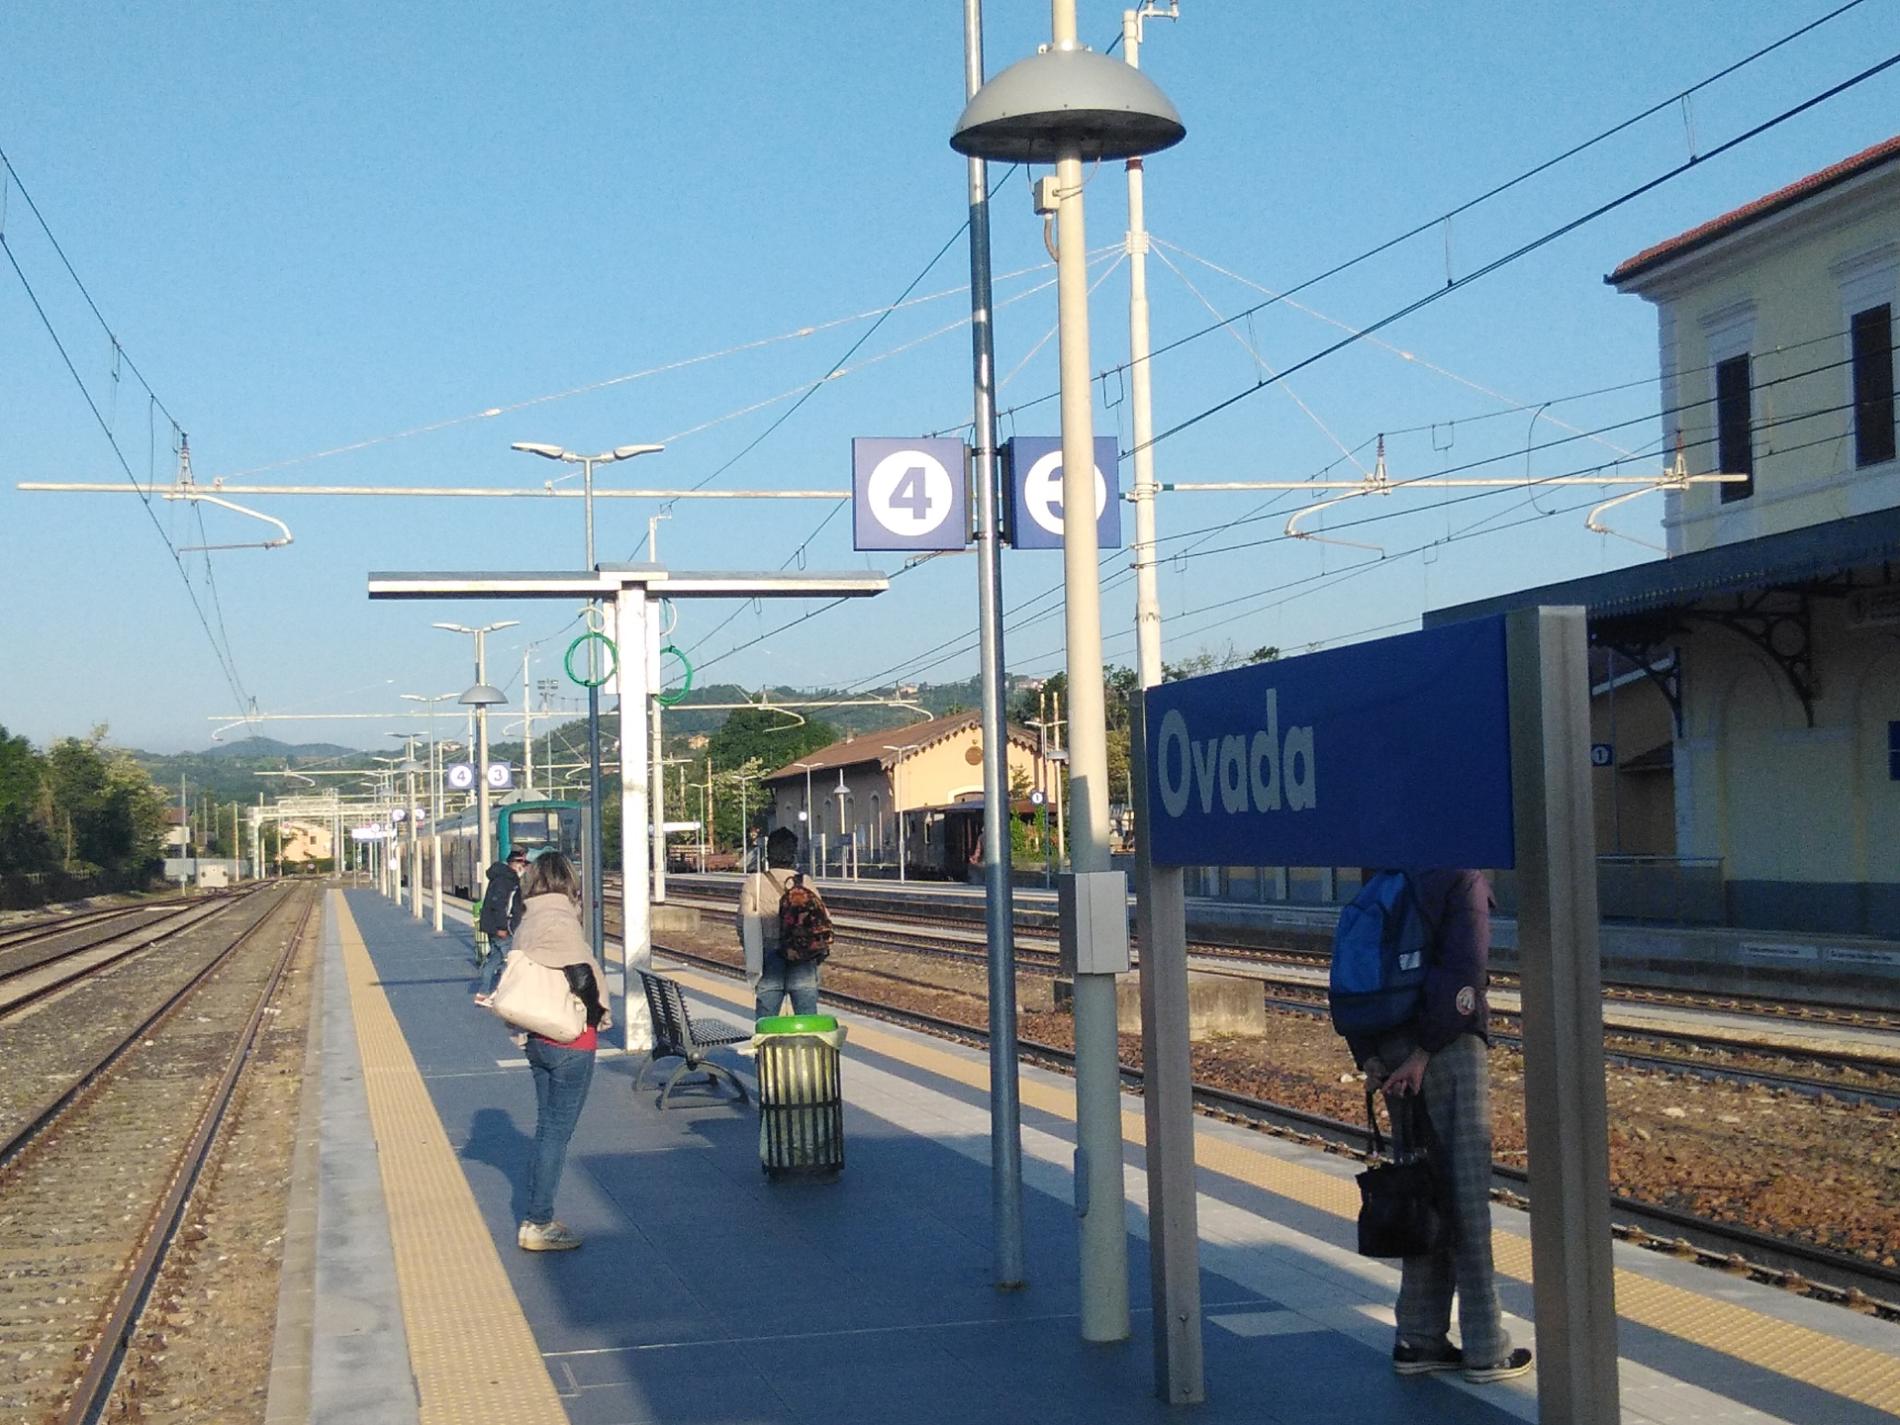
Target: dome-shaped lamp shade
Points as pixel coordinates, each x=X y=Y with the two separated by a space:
x=483 y=695
x=1102 y=107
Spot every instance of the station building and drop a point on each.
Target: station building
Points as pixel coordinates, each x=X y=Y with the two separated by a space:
x=1746 y=712
x=918 y=788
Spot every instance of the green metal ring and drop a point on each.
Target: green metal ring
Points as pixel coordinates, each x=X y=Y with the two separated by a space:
x=668 y=700
x=613 y=659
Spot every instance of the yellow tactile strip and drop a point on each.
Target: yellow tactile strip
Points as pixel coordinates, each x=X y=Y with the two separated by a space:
x=471 y=1349
x=1842 y=1368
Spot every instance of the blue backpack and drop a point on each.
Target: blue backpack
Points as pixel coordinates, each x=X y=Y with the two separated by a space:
x=1382 y=949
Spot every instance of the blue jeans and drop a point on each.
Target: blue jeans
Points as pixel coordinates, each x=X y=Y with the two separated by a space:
x=493 y=962
x=780 y=978
x=561 y=1077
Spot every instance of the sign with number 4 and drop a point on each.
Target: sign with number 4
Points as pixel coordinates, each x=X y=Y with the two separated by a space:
x=909 y=494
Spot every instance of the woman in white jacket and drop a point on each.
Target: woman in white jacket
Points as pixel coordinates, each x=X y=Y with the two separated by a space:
x=550 y=934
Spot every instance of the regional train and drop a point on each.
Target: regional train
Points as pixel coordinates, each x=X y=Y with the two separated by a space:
x=529 y=823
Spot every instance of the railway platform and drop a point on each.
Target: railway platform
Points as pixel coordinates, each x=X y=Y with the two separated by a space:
x=705 y=1294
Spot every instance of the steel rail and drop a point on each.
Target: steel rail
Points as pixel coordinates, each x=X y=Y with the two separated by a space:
x=33 y=996
x=95 y=1385
x=13 y=970
x=43 y=1116
x=1798 y=1266
x=25 y=932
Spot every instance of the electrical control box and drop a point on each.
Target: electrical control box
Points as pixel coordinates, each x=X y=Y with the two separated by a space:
x=1047 y=194
x=1093 y=906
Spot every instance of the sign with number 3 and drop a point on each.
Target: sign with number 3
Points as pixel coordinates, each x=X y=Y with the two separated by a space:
x=909 y=494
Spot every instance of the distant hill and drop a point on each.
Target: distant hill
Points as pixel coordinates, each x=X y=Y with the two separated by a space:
x=271 y=747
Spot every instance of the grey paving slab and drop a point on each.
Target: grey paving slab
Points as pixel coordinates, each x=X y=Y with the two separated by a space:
x=706 y=1294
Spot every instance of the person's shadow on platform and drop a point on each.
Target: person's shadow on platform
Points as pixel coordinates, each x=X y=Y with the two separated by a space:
x=493 y=1139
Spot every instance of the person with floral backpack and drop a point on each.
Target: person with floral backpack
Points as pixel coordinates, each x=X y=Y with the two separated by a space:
x=784 y=930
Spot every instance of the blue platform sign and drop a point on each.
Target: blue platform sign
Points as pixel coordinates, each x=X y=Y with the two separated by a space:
x=1035 y=492
x=909 y=493
x=1391 y=753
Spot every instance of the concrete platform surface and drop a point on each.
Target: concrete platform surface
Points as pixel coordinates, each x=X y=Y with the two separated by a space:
x=706 y=1294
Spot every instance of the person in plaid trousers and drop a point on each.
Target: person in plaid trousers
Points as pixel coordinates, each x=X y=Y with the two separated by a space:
x=1440 y=1055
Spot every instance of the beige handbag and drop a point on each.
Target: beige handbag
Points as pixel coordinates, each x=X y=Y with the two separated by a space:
x=537 y=999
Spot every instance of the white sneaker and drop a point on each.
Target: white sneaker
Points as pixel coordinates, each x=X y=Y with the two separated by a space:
x=546 y=1237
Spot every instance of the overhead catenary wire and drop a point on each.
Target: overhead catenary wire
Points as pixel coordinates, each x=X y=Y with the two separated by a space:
x=221 y=649
x=1525 y=249
x=1024 y=614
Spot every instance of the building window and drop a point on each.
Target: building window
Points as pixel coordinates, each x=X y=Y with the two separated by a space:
x=1734 y=436
x=1873 y=385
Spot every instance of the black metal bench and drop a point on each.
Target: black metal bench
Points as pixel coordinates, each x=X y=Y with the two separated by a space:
x=675 y=1036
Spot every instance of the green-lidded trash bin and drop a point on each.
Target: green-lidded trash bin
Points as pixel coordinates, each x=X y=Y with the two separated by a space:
x=801 y=1097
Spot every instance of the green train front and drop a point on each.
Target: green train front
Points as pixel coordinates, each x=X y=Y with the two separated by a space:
x=533 y=825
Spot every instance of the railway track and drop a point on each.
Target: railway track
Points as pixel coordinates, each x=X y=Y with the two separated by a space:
x=96 y=1177
x=33 y=967
x=1832 y=1276
x=21 y=931
x=1846 y=1016
x=1297 y=996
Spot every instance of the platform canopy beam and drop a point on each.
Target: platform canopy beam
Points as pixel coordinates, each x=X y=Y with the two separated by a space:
x=632 y=587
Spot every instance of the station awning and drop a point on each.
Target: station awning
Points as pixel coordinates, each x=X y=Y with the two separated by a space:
x=1797 y=559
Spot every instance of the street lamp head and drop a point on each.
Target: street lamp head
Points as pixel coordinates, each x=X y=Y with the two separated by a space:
x=627 y=452
x=483 y=695
x=547 y=452
x=1071 y=99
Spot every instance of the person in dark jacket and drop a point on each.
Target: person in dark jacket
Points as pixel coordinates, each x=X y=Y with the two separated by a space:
x=500 y=914
x=1440 y=1055
x=550 y=934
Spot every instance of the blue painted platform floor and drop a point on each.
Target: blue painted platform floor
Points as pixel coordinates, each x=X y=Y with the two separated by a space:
x=706 y=1294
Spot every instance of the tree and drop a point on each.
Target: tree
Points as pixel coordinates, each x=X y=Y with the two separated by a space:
x=762 y=735
x=25 y=843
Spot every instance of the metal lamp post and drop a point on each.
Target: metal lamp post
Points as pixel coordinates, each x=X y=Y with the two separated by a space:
x=1067 y=105
x=897 y=769
x=597 y=919
x=480 y=699
x=811 y=840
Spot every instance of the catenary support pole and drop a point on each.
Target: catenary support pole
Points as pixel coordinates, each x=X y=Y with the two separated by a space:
x=656 y=757
x=636 y=916
x=1099 y=1187
x=484 y=844
x=435 y=876
x=1565 y=1112
x=1174 y=1248
x=1006 y=1135
x=596 y=853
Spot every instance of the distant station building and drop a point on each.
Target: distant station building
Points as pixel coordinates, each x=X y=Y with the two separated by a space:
x=926 y=778
x=1747 y=699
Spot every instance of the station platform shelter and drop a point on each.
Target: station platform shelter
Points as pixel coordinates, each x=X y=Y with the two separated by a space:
x=706 y=1295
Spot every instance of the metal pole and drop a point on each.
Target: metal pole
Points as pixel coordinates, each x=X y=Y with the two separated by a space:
x=897 y=784
x=1006 y=1135
x=527 y=720
x=435 y=877
x=484 y=846
x=1099 y=1189
x=596 y=856
x=1573 y=1286
x=636 y=915
x=657 y=756
x=1061 y=787
x=1174 y=1249
x=811 y=838
x=415 y=832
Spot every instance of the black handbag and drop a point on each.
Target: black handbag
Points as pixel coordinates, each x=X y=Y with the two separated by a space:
x=1398 y=1195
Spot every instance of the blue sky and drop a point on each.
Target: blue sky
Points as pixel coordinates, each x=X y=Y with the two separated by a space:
x=318 y=227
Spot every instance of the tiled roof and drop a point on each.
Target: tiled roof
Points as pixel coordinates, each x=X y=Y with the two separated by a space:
x=870 y=746
x=1741 y=217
